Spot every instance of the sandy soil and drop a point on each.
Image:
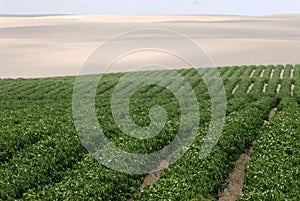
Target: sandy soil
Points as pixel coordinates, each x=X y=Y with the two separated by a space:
x=153 y=177
x=43 y=46
x=262 y=73
x=265 y=88
x=281 y=74
x=278 y=88
x=292 y=89
x=272 y=73
x=292 y=73
x=252 y=73
x=236 y=179
x=235 y=88
x=272 y=113
x=250 y=88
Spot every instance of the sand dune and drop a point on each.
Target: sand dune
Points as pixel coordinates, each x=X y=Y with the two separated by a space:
x=44 y=46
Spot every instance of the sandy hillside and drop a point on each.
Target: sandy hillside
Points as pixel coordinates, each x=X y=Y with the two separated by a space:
x=42 y=46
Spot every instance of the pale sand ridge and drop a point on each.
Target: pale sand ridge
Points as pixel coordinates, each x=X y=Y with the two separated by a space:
x=44 y=46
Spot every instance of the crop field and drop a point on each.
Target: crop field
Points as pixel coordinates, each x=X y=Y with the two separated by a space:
x=42 y=157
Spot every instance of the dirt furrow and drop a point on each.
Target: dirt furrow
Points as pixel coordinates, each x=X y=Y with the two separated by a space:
x=265 y=88
x=250 y=88
x=262 y=73
x=278 y=88
x=272 y=72
x=281 y=74
x=153 y=177
x=292 y=73
x=252 y=73
x=235 y=88
x=292 y=89
x=236 y=178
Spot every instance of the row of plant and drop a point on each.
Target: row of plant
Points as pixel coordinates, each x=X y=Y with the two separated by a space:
x=27 y=168
x=18 y=141
x=42 y=163
x=277 y=71
x=57 y=88
x=297 y=71
x=36 y=115
x=222 y=70
x=86 y=180
x=230 y=84
x=38 y=158
x=240 y=70
x=230 y=71
x=273 y=172
x=258 y=70
x=90 y=179
x=246 y=71
x=36 y=89
x=24 y=123
x=244 y=85
x=287 y=71
x=40 y=150
x=268 y=71
x=194 y=178
x=258 y=86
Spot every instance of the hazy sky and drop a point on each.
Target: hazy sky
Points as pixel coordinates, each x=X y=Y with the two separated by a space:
x=239 y=7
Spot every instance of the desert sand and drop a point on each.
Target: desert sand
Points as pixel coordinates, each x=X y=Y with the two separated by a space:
x=46 y=46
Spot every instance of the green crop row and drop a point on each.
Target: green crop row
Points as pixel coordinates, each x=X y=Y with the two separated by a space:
x=192 y=177
x=28 y=122
x=85 y=180
x=40 y=164
x=297 y=71
x=89 y=180
x=42 y=157
x=273 y=173
x=287 y=70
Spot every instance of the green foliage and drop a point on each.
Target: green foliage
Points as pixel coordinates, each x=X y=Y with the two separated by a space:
x=41 y=156
x=192 y=176
x=273 y=173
